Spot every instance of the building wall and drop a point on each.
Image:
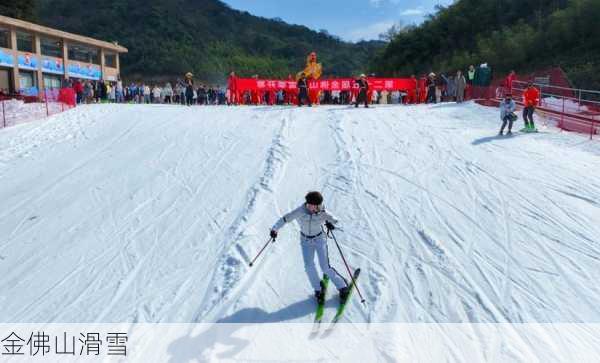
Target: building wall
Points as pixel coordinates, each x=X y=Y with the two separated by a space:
x=42 y=67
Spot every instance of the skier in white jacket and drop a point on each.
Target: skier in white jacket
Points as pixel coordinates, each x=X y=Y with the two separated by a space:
x=311 y=216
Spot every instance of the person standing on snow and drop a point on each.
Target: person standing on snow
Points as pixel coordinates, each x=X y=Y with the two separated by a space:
x=507 y=109
x=146 y=92
x=189 y=92
x=363 y=90
x=508 y=82
x=430 y=84
x=531 y=98
x=311 y=216
x=156 y=97
x=232 y=87
x=471 y=75
x=461 y=85
x=302 y=86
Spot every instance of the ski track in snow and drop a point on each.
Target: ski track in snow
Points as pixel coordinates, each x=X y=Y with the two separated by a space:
x=232 y=263
x=151 y=214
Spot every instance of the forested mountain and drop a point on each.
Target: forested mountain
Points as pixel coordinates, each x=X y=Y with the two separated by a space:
x=167 y=38
x=508 y=34
x=20 y=9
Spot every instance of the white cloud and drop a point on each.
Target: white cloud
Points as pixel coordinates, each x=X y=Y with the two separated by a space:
x=418 y=11
x=413 y=12
x=370 y=31
x=378 y=3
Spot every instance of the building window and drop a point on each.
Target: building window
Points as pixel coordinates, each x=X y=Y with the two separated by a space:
x=5 y=38
x=82 y=53
x=110 y=60
x=52 y=81
x=24 y=42
x=51 y=47
x=5 y=81
x=27 y=84
x=26 y=79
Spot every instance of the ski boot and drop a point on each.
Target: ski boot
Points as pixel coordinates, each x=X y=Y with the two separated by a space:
x=344 y=293
x=320 y=294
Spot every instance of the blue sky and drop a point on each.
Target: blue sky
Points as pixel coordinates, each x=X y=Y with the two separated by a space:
x=351 y=20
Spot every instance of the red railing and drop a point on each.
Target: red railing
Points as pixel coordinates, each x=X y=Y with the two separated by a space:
x=16 y=109
x=570 y=109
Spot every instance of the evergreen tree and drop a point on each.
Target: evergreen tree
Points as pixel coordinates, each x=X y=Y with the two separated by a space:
x=508 y=34
x=20 y=9
x=207 y=37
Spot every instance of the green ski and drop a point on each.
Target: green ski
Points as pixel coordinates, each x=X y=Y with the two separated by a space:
x=528 y=129
x=321 y=300
x=343 y=304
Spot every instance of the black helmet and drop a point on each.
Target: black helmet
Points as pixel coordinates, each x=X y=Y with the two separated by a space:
x=314 y=198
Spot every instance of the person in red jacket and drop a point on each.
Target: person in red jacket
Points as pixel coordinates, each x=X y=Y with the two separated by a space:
x=412 y=92
x=255 y=94
x=233 y=89
x=509 y=81
x=78 y=88
x=290 y=94
x=531 y=98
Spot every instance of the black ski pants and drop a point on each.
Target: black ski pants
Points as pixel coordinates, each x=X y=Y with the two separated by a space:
x=506 y=120
x=528 y=115
x=362 y=98
x=303 y=96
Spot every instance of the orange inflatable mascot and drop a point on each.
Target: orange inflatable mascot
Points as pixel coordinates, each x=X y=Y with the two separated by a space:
x=313 y=71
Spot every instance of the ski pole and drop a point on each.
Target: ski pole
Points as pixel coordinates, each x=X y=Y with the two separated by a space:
x=261 y=251
x=347 y=267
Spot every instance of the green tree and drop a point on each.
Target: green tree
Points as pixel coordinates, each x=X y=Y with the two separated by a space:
x=20 y=9
x=508 y=34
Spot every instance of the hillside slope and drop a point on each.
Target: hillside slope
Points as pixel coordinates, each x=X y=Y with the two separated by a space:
x=522 y=35
x=151 y=213
x=207 y=37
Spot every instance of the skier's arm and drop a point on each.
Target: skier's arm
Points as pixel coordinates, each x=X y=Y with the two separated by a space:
x=287 y=218
x=330 y=221
x=330 y=218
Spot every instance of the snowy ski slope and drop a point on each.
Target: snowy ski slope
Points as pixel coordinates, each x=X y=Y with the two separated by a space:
x=150 y=214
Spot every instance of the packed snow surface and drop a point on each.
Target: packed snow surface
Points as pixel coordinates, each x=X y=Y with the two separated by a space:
x=151 y=213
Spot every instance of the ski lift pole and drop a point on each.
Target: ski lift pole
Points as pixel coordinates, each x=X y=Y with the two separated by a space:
x=261 y=251
x=347 y=267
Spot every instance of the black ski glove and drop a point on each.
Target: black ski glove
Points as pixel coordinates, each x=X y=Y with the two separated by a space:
x=329 y=226
x=273 y=234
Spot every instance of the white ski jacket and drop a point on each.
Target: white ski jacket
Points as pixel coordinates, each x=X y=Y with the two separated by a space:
x=310 y=223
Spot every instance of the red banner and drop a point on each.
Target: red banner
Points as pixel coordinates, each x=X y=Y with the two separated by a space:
x=337 y=84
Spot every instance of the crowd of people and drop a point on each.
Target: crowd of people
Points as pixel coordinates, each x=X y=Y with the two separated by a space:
x=457 y=87
x=282 y=97
x=432 y=88
x=302 y=94
x=100 y=91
